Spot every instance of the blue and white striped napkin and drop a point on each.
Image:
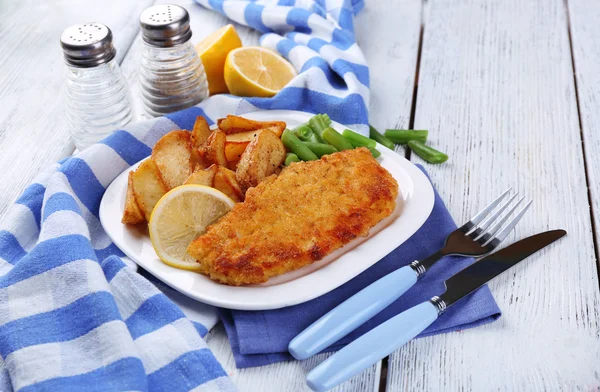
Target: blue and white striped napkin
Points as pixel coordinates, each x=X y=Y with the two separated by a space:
x=72 y=315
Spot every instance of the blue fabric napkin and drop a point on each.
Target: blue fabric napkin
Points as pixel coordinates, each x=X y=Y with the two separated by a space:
x=261 y=338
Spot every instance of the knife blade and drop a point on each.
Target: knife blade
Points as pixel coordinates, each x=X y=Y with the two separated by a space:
x=479 y=273
x=397 y=331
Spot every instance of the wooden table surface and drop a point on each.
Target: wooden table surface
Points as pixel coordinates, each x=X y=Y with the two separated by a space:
x=510 y=89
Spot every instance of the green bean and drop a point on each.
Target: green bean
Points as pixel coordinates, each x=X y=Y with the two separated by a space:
x=319 y=123
x=403 y=136
x=379 y=138
x=332 y=137
x=358 y=140
x=375 y=152
x=320 y=149
x=429 y=154
x=316 y=138
x=293 y=144
x=303 y=132
x=289 y=158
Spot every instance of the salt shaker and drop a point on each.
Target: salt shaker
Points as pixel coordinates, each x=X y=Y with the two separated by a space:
x=97 y=97
x=172 y=76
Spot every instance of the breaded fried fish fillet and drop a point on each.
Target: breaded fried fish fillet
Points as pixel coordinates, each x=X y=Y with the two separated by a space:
x=292 y=220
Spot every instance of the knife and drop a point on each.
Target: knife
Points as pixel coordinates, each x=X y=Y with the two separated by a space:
x=397 y=331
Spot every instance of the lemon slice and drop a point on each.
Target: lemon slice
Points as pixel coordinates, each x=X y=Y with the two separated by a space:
x=180 y=216
x=213 y=51
x=256 y=72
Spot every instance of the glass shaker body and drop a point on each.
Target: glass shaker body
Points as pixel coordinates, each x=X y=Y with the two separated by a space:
x=171 y=78
x=97 y=101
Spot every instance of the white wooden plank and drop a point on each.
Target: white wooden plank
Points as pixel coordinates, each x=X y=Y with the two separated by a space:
x=585 y=19
x=33 y=129
x=496 y=92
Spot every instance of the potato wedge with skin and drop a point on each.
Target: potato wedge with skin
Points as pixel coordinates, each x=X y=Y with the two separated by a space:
x=203 y=176
x=248 y=136
x=201 y=132
x=173 y=156
x=262 y=157
x=148 y=186
x=235 y=124
x=234 y=150
x=213 y=152
x=226 y=182
x=131 y=214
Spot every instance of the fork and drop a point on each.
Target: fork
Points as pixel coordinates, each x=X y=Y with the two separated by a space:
x=478 y=237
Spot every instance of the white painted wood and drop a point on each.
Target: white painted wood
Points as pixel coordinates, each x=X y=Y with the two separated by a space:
x=585 y=19
x=33 y=130
x=496 y=92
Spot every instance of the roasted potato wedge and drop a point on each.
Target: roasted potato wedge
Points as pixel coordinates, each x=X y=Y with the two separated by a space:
x=173 y=156
x=148 y=186
x=262 y=157
x=234 y=150
x=248 y=136
x=213 y=152
x=203 y=176
x=233 y=165
x=226 y=182
x=132 y=214
x=201 y=132
x=235 y=124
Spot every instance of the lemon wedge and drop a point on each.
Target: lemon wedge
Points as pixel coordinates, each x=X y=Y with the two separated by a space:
x=180 y=216
x=213 y=51
x=256 y=72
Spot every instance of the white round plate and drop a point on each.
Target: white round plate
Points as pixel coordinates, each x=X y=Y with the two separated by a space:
x=415 y=202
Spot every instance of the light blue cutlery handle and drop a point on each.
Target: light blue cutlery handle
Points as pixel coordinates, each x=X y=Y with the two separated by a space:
x=352 y=313
x=371 y=347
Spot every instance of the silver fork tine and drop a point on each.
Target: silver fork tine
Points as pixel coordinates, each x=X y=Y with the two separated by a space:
x=497 y=225
x=490 y=219
x=511 y=225
x=483 y=213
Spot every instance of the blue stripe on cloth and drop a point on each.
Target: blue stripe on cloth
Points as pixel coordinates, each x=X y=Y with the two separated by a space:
x=127 y=146
x=357 y=6
x=217 y=5
x=156 y=312
x=126 y=374
x=334 y=79
x=84 y=183
x=286 y=3
x=346 y=19
x=59 y=325
x=348 y=110
x=253 y=16
x=110 y=250
x=186 y=372
x=50 y=254
x=32 y=198
x=60 y=201
x=10 y=249
x=285 y=45
x=298 y=18
x=185 y=119
x=202 y=331
x=111 y=266
x=361 y=71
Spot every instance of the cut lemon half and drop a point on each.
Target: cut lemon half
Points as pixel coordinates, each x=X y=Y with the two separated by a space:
x=213 y=51
x=256 y=72
x=180 y=216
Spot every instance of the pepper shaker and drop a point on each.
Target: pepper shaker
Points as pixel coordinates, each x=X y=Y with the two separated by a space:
x=172 y=76
x=97 y=97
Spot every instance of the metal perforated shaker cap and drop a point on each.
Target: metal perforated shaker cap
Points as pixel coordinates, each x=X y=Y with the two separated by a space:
x=165 y=25
x=87 y=45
